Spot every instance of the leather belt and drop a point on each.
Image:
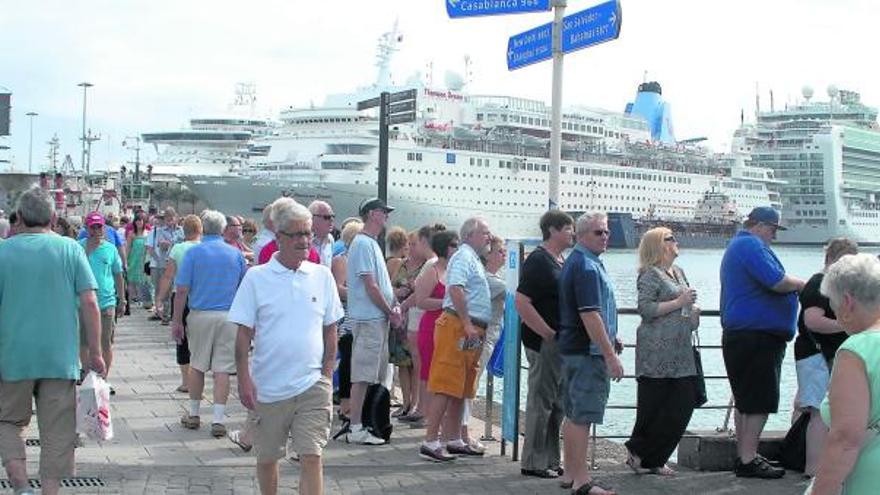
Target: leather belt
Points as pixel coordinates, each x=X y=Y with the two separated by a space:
x=475 y=321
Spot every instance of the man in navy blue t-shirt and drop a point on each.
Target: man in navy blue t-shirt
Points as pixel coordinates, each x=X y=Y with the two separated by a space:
x=758 y=316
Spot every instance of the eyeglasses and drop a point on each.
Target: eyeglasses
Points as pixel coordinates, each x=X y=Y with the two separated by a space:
x=249 y=231
x=294 y=235
x=670 y=239
x=327 y=217
x=600 y=232
x=96 y=226
x=453 y=245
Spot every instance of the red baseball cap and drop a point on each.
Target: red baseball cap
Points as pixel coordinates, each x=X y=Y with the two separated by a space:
x=94 y=218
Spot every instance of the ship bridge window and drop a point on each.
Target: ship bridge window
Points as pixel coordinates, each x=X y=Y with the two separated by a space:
x=479 y=117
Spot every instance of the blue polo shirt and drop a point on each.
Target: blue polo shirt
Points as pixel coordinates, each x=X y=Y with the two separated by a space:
x=749 y=270
x=584 y=286
x=212 y=271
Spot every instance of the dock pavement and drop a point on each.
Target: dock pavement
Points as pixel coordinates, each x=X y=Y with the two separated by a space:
x=152 y=454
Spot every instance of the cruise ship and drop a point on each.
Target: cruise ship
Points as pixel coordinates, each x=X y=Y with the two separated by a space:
x=485 y=154
x=828 y=153
x=213 y=146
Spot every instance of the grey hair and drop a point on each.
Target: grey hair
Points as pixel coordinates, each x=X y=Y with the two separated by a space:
x=855 y=274
x=287 y=212
x=586 y=220
x=35 y=207
x=317 y=204
x=267 y=215
x=470 y=226
x=213 y=222
x=276 y=207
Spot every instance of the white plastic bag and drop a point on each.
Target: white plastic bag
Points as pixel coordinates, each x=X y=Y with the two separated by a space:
x=93 y=408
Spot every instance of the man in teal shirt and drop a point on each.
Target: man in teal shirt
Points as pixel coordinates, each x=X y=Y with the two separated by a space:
x=46 y=286
x=107 y=268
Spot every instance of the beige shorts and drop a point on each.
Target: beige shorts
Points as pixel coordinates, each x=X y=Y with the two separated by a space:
x=211 y=341
x=108 y=329
x=305 y=418
x=369 y=351
x=56 y=417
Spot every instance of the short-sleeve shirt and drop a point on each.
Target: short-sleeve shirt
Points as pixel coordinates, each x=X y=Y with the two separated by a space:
x=806 y=341
x=41 y=277
x=105 y=263
x=749 y=270
x=466 y=270
x=110 y=235
x=584 y=286
x=287 y=310
x=365 y=258
x=324 y=249
x=178 y=251
x=539 y=281
x=211 y=271
x=159 y=234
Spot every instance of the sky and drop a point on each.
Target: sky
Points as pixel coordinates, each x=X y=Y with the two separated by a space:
x=156 y=64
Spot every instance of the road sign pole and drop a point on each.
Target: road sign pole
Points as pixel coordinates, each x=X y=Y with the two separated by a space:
x=556 y=105
x=383 y=146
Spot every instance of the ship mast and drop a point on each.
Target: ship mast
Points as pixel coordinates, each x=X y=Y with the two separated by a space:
x=389 y=44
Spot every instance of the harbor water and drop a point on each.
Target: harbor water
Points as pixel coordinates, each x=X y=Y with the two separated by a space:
x=702 y=269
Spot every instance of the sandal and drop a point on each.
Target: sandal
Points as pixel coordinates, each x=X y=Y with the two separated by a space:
x=636 y=466
x=587 y=489
x=182 y=389
x=663 y=470
x=235 y=437
x=401 y=412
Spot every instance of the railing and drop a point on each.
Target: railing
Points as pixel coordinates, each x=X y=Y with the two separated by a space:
x=725 y=426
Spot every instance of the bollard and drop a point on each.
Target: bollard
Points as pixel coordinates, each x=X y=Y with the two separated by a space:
x=490 y=399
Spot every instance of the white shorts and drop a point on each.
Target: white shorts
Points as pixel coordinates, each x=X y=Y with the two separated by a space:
x=813 y=378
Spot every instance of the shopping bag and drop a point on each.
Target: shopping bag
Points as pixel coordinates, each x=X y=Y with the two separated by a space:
x=496 y=362
x=93 y=408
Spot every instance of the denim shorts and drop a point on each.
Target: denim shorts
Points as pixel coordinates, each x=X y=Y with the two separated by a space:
x=585 y=388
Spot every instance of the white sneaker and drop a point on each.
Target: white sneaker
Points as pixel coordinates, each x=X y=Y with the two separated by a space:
x=363 y=436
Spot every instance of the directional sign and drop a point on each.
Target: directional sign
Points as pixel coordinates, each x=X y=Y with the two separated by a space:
x=580 y=30
x=401 y=118
x=532 y=46
x=409 y=94
x=371 y=103
x=591 y=27
x=473 y=8
x=403 y=106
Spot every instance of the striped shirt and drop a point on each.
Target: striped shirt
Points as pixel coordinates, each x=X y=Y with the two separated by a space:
x=465 y=270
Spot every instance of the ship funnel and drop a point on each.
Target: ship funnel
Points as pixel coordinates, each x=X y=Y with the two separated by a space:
x=650 y=106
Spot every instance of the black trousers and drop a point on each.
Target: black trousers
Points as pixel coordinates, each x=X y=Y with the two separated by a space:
x=183 y=354
x=345 y=366
x=665 y=406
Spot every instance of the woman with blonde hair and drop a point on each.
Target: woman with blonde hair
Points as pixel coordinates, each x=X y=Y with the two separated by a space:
x=338 y=266
x=665 y=366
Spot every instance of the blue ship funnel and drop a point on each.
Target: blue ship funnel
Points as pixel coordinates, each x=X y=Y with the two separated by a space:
x=650 y=106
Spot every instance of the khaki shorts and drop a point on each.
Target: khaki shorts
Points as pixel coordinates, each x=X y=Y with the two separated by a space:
x=108 y=330
x=369 y=351
x=453 y=370
x=211 y=341
x=305 y=418
x=56 y=417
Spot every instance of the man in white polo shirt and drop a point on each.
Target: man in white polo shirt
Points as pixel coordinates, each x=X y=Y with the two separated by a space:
x=289 y=308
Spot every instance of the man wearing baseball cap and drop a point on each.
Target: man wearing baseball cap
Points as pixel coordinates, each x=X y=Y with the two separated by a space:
x=371 y=307
x=759 y=308
x=107 y=268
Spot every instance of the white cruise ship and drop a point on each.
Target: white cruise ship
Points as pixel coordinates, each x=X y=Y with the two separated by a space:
x=216 y=145
x=489 y=155
x=828 y=152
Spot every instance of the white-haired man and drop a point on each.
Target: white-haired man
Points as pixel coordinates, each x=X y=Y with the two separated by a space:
x=289 y=308
x=266 y=233
x=207 y=280
x=322 y=227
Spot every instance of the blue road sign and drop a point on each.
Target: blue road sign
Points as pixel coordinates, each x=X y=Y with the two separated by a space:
x=580 y=30
x=592 y=26
x=532 y=46
x=473 y=8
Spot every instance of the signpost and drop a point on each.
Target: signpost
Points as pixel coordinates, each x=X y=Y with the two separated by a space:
x=473 y=8
x=394 y=108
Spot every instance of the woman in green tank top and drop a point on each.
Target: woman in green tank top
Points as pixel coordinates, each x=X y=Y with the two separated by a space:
x=138 y=283
x=850 y=462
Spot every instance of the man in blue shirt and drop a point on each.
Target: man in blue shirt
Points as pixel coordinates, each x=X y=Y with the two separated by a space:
x=758 y=316
x=588 y=344
x=208 y=276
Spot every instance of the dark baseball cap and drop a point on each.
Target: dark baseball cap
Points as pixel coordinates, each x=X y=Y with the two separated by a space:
x=767 y=215
x=374 y=204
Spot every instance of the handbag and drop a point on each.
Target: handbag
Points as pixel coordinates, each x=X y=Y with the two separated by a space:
x=700 y=396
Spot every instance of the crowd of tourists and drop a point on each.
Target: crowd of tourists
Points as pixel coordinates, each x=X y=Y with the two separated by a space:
x=305 y=314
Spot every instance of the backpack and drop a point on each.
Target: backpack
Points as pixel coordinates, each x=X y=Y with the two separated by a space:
x=376 y=414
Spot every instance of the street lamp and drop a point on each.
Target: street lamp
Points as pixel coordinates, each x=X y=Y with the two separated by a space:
x=31 y=145
x=85 y=86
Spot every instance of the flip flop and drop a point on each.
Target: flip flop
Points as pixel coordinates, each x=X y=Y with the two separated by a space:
x=235 y=437
x=588 y=486
x=631 y=463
